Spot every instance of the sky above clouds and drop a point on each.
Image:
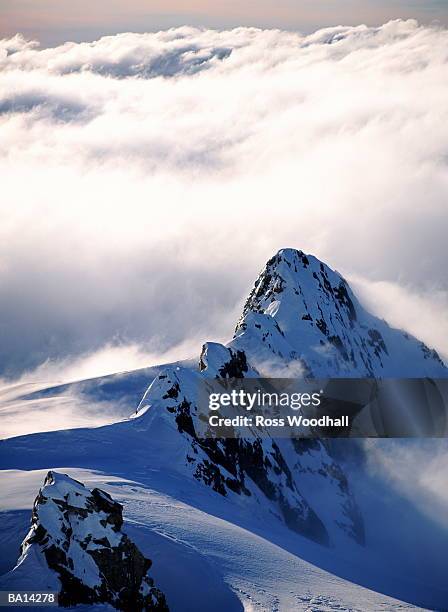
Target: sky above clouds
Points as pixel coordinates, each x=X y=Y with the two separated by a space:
x=55 y=21
x=146 y=179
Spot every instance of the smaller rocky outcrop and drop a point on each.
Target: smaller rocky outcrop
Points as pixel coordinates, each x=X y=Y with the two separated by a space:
x=77 y=533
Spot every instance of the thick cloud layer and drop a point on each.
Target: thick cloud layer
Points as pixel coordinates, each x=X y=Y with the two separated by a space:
x=147 y=177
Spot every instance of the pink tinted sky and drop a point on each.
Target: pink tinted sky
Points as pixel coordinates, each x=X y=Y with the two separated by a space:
x=54 y=21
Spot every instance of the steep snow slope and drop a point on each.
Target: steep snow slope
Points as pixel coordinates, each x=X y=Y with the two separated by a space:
x=207 y=555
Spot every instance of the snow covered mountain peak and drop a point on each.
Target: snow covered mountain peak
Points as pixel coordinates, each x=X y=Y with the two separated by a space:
x=291 y=278
x=302 y=312
x=75 y=546
x=301 y=317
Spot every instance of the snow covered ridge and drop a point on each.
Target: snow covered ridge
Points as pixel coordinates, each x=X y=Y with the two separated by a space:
x=76 y=536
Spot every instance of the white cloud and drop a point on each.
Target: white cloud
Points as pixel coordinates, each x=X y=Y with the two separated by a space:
x=107 y=360
x=146 y=179
x=425 y=313
x=23 y=410
x=416 y=469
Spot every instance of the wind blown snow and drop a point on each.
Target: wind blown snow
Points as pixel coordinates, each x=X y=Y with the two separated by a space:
x=146 y=178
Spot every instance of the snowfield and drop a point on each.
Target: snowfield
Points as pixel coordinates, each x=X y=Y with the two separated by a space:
x=200 y=558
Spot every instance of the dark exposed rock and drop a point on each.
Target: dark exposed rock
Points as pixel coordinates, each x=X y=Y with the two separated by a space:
x=236 y=367
x=322 y=326
x=173 y=391
x=341 y=294
x=228 y=363
x=377 y=342
x=430 y=353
